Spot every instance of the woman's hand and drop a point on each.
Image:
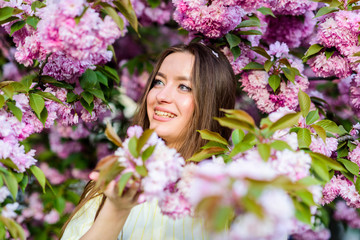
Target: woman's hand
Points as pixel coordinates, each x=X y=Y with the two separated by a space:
x=126 y=201
x=114 y=213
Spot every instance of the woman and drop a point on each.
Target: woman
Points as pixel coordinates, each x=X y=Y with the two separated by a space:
x=189 y=85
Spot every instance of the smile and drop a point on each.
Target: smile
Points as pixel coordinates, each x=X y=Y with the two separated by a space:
x=164 y=114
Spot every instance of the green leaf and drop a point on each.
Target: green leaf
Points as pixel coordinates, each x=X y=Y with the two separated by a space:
x=114 y=15
x=313 y=49
x=147 y=153
x=266 y=11
x=141 y=170
x=304 y=102
x=97 y=93
x=320 y=132
x=302 y=212
x=357 y=185
x=261 y=51
x=88 y=97
x=15 y=110
x=88 y=107
x=15 y=230
x=325 y=10
x=71 y=97
x=232 y=39
x=24 y=182
x=214 y=144
x=249 y=32
x=143 y=139
x=27 y=81
x=39 y=175
x=287 y=121
x=32 y=21
x=18 y=87
x=264 y=151
x=328 y=54
x=5 y=13
x=239 y=115
x=290 y=75
x=110 y=73
x=328 y=125
x=88 y=79
x=306 y=197
x=37 y=4
x=54 y=82
x=274 y=82
x=9 y=163
x=222 y=217
x=280 y=145
x=37 y=103
x=350 y=166
x=342 y=152
x=43 y=116
x=49 y=96
x=212 y=136
x=16 y=26
x=236 y=52
x=234 y=124
x=102 y=78
x=205 y=153
x=309 y=181
x=154 y=3
x=8 y=91
x=320 y=169
x=123 y=181
x=327 y=161
x=312 y=117
x=304 y=138
x=2 y=101
x=240 y=147
x=60 y=204
x=11 y=183
x=268 y=64
x=254 y=66
x=133 y=142
x=125 y=7
x=237 y=136
x=249 y=23
x=10 y=19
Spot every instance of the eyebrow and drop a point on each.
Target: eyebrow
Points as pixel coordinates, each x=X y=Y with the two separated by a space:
x=177 y=78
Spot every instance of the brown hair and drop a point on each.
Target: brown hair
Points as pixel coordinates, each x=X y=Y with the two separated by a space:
x=214 y=86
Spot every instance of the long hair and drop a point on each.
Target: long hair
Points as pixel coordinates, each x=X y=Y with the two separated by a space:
x=214 y=85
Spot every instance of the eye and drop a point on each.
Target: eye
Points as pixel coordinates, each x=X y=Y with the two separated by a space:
x=184 y=88
x=157 y=82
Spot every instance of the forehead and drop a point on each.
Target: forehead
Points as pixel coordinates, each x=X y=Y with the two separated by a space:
x=178 y=64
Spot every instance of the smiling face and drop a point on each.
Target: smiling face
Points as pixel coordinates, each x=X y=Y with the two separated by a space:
x=170 y=101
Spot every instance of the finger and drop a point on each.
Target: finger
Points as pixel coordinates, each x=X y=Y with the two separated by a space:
x=94 y=176
x=110 y=189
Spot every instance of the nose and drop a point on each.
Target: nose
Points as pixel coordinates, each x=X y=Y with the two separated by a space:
x=165 y=94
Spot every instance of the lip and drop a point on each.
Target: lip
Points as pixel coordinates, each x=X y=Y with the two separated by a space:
x=162 y=119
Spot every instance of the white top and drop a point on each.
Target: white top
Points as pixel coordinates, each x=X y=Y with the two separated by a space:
x=145 y=222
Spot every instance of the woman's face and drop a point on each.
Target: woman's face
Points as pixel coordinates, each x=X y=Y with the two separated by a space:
x=170 y=102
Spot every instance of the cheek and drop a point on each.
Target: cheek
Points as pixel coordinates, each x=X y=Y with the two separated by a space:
x=188 y=106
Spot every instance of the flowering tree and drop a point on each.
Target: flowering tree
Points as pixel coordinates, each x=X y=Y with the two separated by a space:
x=298 y=65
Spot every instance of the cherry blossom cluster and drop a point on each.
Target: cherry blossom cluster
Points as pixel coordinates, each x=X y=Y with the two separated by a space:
x=73 y=46
x=339 y=30
x=212 y=19
x=256 y=84
x=164 y=169
x=146 y=14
